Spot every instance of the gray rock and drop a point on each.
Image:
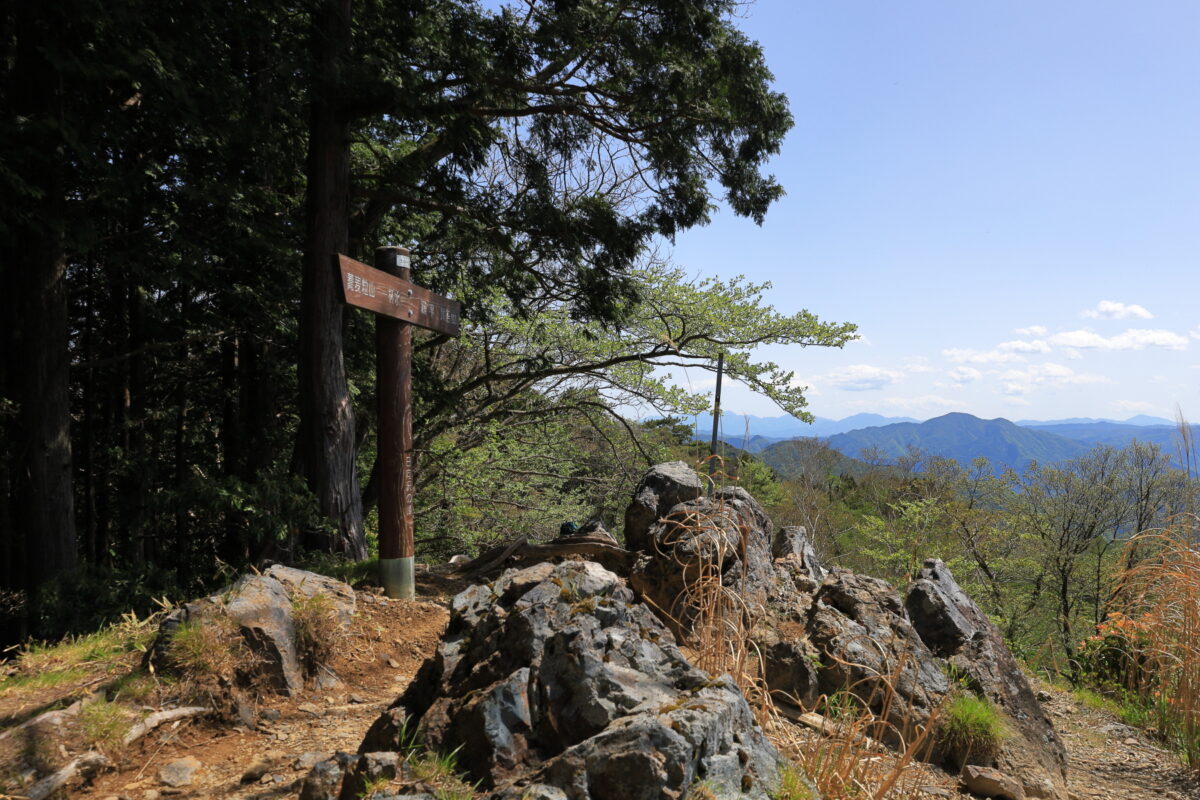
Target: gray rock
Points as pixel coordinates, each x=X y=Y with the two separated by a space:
x=868 y=646
x=988 y=782
x=957 y=630
x=179 y=772
x=792 y=543
x=368 y=768
x=556 y=677
x=261 y=605
x=301 y=583
x=308 y=760
x=723 y=535
x=661 y=489
x=324 y=780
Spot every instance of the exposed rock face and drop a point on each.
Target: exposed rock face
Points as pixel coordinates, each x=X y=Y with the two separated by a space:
x=957 y=630
x=557 y=684
x=661 y=489
x=299 y=582
x=793 y=545
x=859 y=626
x=261 y=605
x=723 y=537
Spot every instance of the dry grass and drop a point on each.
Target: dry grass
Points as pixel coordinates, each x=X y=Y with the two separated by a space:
x=103 y=725
x=213 y=663
x=1157 y=607
x=715 y=618
x=318 y=630
x=844 y=762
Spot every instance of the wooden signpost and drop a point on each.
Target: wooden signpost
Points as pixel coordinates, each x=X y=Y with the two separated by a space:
x=399 y=304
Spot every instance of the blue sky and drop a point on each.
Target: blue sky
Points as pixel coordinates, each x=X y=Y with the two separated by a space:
x=1004 y=196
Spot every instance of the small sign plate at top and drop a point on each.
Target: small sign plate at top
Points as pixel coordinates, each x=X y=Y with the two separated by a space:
x=376 y=290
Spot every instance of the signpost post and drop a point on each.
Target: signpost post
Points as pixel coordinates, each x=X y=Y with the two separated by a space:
x=398 y=304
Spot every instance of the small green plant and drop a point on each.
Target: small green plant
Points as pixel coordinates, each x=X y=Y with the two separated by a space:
x=971 y=729
x=792 y=785
x=701 y=790
x=134 y=687
x=318 y=630
x=103 y=724
x=440 y=771
x=373 y=786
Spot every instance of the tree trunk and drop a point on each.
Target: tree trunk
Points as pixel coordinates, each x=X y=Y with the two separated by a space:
x=35 y=265
x=326 y=448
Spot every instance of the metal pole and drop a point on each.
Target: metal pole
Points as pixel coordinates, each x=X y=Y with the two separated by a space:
x=712 y=448
x=393 y=370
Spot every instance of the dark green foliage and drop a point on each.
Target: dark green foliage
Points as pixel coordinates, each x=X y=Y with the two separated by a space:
x=157 y=185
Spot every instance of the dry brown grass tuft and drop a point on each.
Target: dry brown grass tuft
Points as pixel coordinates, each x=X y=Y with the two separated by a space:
x=1156 y=612
x=846 y=760
x=318 y=630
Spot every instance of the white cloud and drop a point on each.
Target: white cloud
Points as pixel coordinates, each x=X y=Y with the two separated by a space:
x=1035 y=346
x=923 y=402
x=964 y=375
x=862 y=377
x=1111 y=309
x=1135 y=405
x=967 y=356
x=1032 y=330
x=1195 y=334
x=1017 y=401
x=1131 y=339
x=1016 y=382
x=915 y=364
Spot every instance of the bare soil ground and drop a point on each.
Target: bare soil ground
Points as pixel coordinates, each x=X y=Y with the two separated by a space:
x=388 y=642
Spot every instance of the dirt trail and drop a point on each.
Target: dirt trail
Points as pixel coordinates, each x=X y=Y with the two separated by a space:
x=1113 y=761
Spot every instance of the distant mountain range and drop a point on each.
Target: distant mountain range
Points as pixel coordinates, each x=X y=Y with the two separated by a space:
x=959 y=436
x=745 y=428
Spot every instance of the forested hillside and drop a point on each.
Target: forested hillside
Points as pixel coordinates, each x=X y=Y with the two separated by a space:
x=182 y=392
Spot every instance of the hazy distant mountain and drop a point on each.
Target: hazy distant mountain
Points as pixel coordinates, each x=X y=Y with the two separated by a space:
x=745 y=428
x=1140 y=419
x=1120 y=434
x=963 y=437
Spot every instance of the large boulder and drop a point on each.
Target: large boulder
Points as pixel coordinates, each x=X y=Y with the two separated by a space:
x=662 y=488
x=723 y=538
x=955 y=629
x=260 y=606
x=868 y=647
x=555 y=682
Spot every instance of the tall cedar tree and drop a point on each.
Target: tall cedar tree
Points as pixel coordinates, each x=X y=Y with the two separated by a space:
x=665 y=92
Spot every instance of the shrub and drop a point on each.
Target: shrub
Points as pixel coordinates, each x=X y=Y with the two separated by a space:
x=208 y=649
x=971 y=730
x=103 y=724
x=318 y=630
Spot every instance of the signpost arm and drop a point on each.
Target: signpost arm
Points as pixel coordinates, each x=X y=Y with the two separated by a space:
x=393 y=356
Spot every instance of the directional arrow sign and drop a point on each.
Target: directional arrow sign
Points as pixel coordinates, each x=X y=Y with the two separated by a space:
x=376 y=290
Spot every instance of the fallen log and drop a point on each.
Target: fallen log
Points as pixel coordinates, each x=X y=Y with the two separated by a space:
x=523 y=550
x=158 y=718
x=828 y=727
x=56 y=717
x=86 y=764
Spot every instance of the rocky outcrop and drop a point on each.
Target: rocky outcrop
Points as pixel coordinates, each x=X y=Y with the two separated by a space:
x=261 y=607
x=869 y=647
x=720 y=538
x=661 y=489
x=955 y=629
x=556 y=683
